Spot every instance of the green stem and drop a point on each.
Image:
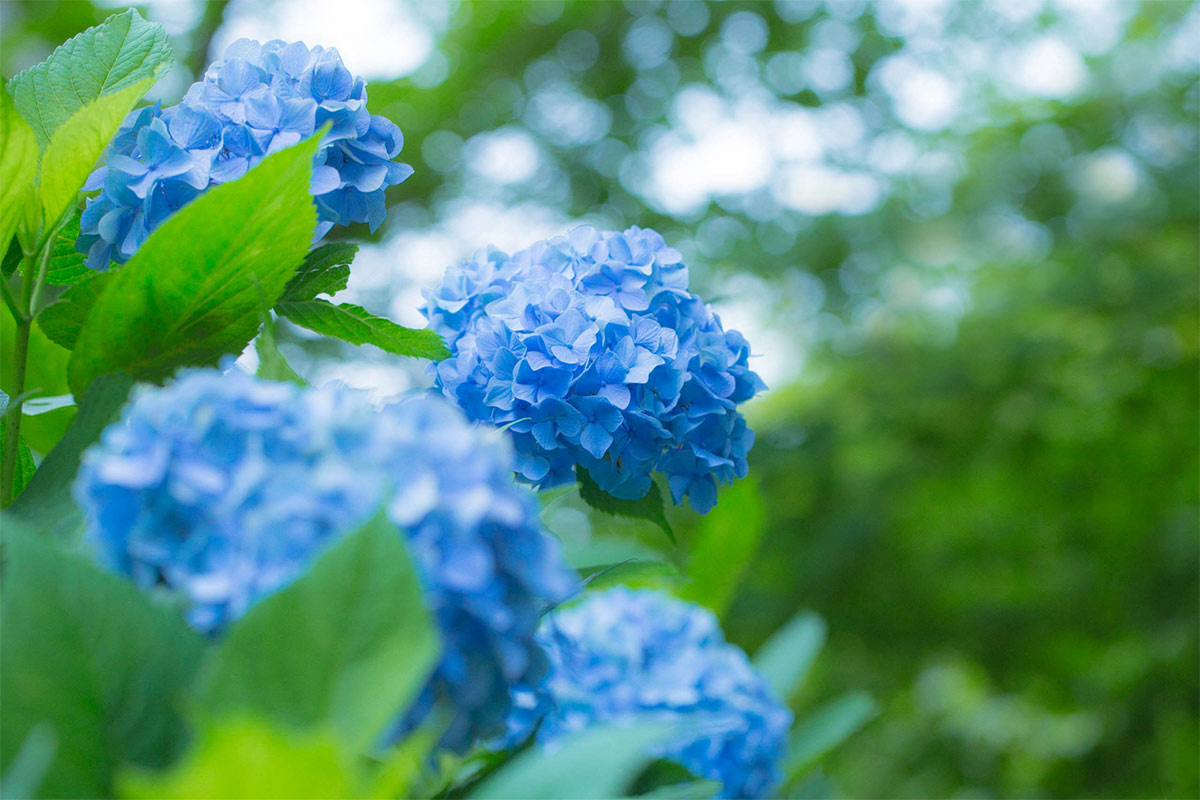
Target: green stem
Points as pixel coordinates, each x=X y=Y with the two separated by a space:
x=12 y=441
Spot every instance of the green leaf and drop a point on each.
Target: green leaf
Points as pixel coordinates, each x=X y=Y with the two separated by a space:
x=197 y=287
x=67 y=265
x=121 y=51
x=248 y=758
x=826 y=729
x=650 y=508
x=356 y=325
x=25 y=467
x=13 y=255
x=785 y=658
x=23 y=775
x=727 y=540
x=63 y=319
x=598 y=762
x=88 y=654
x=18 y=168
x=78 y=144
x=348 y=645
x=326 y=270
x=45 y=375
x=272 y=366
x=816 y=786
x=46 y=503
x=692 y=790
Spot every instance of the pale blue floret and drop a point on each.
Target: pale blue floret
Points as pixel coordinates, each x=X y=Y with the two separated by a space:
x=625 y=655
x=593 y=352
x=223 y=488
x=259 y=99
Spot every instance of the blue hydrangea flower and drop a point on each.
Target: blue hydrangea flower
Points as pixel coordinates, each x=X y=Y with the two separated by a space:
x=223 y=488
x=593 y=352
x=624 y=654
x=259 y=99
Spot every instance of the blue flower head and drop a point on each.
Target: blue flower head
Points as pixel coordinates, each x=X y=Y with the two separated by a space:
x=623 y=654
x=259 y=99
x=593 y=352
x=223 y=488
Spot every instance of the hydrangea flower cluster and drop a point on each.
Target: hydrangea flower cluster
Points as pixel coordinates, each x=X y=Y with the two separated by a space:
x=593 y=351
x=224 y=488
x=626 y=654
x=259 y=99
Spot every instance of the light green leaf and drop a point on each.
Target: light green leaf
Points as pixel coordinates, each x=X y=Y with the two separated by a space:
x=248 y=758
x=197 y=288
x=727 y=540
x=597 y=762
x=78 y=144
x=67 y=265
x=826 y=729
x=356 y=325
x=325 y=270
x=650 y=508
x=347 y=646
x=63 y=319
x=121 y=51
x=272 y=365
x=46 y=504
x=18 y=168
x=88 y=654
x=785 y=658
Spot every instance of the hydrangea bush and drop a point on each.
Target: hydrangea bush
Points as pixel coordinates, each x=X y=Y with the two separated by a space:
x=259 y=99
x=225 y=487
x=591 y=349
x=168 y=560
x=623 y=654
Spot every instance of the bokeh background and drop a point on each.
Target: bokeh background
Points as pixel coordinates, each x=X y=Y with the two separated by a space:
x=963 y=241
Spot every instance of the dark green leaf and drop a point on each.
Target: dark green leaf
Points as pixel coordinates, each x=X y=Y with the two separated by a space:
x=63 y=319
x=348 y=645
x=88 y=654
x=197 y=287
x=325 y=271
x=650 y=508
x=692 y=790
x=119 y=52
x=727 y=539
x=67 y=265
x=356 y=325
x=25 y=467
x=832 y=724
x=12 y=258
x=786 y=657
x=46 y=503
x=598 y=762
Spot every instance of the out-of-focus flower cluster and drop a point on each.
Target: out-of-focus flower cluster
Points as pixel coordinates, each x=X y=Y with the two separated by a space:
x=623 y=655
x=591 y=349
x=224 y=488
x=259 y=99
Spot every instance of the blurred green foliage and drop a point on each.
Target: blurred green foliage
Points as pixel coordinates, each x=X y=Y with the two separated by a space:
x=985 y=476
